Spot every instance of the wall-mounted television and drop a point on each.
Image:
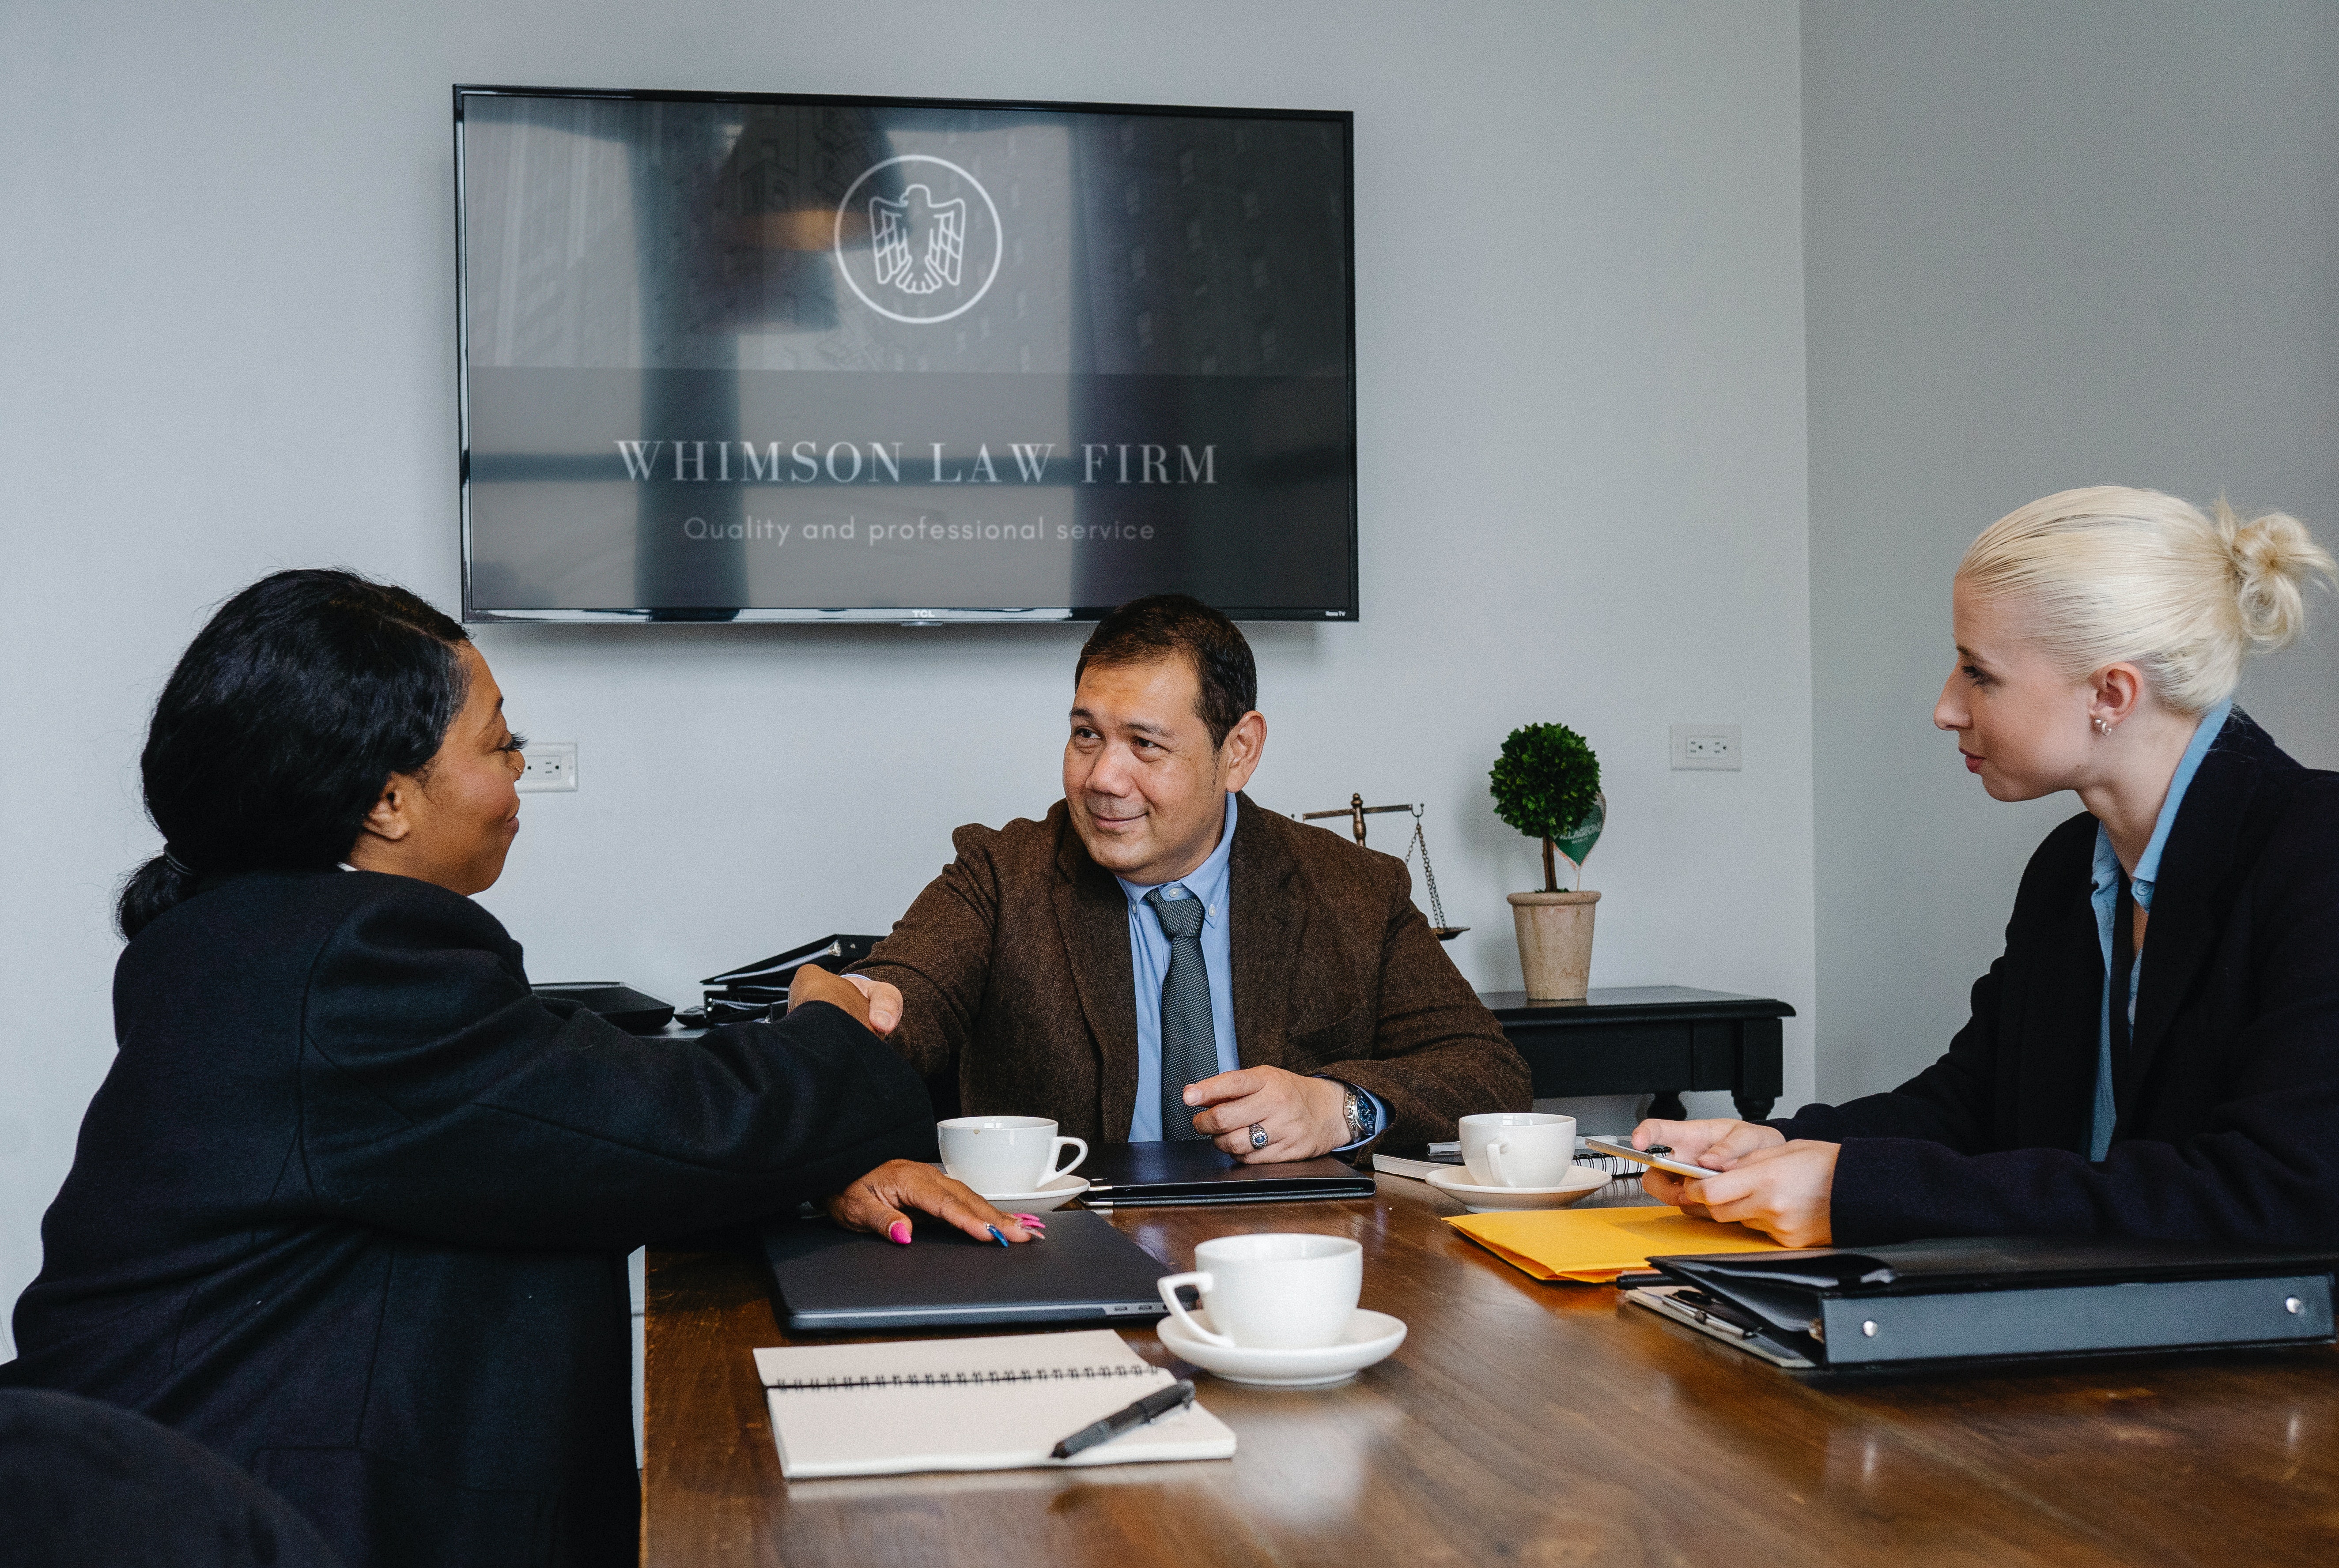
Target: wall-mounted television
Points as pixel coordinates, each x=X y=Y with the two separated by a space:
x=760 y=356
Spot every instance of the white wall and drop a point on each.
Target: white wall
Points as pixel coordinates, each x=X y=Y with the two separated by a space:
x=2090 y=242
x=228 y=346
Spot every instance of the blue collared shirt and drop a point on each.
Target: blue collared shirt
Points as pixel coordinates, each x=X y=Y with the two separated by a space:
x=2106 y=898
x=1149 y=954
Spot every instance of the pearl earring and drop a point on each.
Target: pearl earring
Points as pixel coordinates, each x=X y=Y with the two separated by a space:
x=2104 y=726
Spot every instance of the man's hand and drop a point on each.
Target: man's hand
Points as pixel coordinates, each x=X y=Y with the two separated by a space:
x=1303 y=1116
x=877 y=1005
x=1784 y=1191
x=880 y=1201
x=884 y=1002
x=1717 y=1143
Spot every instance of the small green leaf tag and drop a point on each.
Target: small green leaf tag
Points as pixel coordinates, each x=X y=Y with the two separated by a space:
x=1578 y=845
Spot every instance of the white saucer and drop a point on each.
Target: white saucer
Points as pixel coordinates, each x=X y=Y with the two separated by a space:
x=1371 y=1337
x=1581 y=1183
x=1054 y=1195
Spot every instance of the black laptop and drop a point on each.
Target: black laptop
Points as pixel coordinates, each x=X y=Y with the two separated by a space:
x=1195 y=1171
x=827 y=1279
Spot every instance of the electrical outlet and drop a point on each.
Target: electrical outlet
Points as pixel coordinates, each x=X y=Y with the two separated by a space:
x=1713 y=746
x=551 y=766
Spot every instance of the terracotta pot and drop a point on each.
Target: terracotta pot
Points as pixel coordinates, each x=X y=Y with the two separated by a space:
x=1555 y=943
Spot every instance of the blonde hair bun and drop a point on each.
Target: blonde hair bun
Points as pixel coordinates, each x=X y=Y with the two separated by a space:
x=2109 y=574
x=2274 y=557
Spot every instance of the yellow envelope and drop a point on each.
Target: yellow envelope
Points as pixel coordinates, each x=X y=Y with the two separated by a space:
x=1593 y=1245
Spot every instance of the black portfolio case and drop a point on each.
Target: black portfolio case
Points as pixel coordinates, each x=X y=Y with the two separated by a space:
x=1195 y=1171
x=635 y=1011
x=1974 y=1302
x=830 y=953
x=830 y=1280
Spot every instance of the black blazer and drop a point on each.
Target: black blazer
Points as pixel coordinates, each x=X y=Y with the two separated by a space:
x=352 y=1205
x=2228 y=1125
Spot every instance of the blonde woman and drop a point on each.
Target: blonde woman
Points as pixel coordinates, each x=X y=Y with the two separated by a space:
x=2156 y=1052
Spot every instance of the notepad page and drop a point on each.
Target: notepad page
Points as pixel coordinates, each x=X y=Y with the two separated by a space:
x=997 y=1403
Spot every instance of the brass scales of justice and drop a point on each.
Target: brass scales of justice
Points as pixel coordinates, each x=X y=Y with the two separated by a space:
x=1357 y=811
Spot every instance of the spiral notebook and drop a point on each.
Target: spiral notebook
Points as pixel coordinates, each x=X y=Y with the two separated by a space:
x=999 y=1402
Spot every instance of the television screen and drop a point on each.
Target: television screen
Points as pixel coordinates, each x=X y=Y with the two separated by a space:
x=787 y=358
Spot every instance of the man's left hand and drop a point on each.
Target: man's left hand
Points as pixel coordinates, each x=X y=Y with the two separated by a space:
x=1784 y=1191
x=1302 y=1117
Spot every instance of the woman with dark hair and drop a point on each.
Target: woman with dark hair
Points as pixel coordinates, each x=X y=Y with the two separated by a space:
x=352 y=1205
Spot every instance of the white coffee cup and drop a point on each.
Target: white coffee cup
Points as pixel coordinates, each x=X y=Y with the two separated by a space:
x=1518 y=1148
x=1271 y=1291
x=1009 y=1154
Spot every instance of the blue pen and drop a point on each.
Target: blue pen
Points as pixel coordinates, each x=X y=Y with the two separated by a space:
x=995 y=1236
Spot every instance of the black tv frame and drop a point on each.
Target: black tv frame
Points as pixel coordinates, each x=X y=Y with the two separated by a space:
x=906 y=616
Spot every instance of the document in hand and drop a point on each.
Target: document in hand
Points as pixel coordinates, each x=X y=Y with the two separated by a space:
x=999 y=1402
x=1593 y=1245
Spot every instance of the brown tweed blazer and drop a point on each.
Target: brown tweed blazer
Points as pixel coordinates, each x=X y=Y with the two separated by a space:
x=1019 y=996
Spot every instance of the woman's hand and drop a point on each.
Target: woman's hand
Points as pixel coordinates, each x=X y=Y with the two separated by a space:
x=881 y=1201
x=1785 y=1191
x=874 y=1005
x=1717 y=1143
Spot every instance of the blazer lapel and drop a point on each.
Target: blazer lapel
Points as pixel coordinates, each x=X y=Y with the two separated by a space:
x=1268 y=922
x=2060 y=1025
x=1092 y=917
x=2192 y=897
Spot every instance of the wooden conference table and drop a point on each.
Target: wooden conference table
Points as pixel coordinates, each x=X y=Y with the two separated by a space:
x=1524 y=1422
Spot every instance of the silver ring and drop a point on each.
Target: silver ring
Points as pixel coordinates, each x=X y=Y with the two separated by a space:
x=1258 y=1136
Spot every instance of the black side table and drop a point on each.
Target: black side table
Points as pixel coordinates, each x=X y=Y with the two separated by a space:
x=1649 y=1039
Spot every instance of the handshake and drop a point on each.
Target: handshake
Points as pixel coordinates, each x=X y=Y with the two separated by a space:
x=873 y=1004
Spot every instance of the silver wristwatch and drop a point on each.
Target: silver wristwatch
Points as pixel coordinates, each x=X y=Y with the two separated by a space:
x=1358 y=1110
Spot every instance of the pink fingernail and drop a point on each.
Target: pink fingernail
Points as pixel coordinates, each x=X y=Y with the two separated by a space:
x=900 y=1232
x=1031 y=1221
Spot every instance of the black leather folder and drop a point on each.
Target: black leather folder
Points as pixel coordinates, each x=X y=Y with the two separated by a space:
x=635 y=1011
x=831 y=952
x=825 y=1278
x=1127 y=1175
x=1985 y=1301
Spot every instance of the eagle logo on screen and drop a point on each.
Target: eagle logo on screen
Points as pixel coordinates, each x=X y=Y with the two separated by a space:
x=891 y=225
x=918 y=239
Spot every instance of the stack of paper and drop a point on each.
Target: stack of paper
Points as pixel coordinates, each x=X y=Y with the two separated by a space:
x=1593 y=1245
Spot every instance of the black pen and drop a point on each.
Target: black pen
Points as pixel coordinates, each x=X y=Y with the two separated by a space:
x=1152 y=1407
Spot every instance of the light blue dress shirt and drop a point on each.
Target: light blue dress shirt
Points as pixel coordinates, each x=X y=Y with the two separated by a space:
x=2106 y=898
x=1148 y=955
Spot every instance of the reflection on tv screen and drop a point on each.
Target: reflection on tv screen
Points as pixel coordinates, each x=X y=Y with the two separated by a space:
x=796 y=357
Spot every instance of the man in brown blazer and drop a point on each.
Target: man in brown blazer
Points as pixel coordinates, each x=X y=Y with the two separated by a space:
x=1160 y=958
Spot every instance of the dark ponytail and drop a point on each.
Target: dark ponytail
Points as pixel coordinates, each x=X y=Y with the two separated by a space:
x=282 y=725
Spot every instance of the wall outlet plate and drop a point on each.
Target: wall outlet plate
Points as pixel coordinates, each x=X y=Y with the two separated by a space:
x=551 y=766
x=1706 y=746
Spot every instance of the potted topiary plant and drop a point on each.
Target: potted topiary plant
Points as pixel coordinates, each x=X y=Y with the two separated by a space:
x=1546 y=784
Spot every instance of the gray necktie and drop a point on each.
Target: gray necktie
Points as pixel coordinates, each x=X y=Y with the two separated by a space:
x=1189 y=1045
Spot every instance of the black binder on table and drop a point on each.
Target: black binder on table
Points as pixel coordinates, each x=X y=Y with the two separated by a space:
x=1196 y=1171
x=1946 y=1305
x=635 y=1011
x=758 y=991
x=772 y=973
x=825 y=1278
